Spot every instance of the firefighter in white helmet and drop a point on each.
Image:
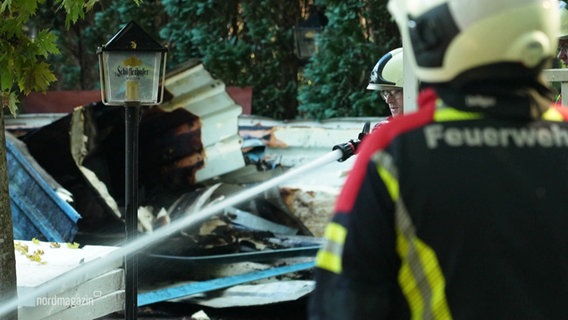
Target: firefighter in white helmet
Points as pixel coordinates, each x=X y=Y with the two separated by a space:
x=563 y=36
x=458 y=210
x=388 y=78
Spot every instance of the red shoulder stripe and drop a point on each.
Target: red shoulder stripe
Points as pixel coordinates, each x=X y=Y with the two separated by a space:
x=562 y=109
x=378 y=140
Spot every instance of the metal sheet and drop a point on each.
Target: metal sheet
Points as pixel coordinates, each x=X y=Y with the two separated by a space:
x=181 y=291
x=37 y=209
x=264 y=255
x=258 y=294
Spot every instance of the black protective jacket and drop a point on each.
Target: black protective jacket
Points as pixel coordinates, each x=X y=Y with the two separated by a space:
x=454 y=212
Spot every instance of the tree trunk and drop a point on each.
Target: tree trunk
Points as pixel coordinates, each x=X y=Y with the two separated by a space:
x=8 y=286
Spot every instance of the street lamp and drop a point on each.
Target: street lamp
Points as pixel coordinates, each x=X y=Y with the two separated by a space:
x=132 y=69
x=305 y=33
x=132 y=66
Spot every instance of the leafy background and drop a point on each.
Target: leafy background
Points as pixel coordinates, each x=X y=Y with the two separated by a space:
x=246 y=43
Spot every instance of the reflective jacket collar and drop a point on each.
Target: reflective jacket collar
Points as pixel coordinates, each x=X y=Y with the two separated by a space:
x=504 y=100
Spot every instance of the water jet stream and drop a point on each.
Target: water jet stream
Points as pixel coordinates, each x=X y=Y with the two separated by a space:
x=162 y=233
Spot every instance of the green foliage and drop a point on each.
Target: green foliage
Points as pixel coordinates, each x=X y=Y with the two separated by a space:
x=243 y=43
x=77 y=66
x=335 y=80
x=23 y=66
x=76 y=10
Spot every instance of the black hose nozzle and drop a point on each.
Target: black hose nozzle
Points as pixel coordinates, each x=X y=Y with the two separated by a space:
x=350 y=148
x=347 y=149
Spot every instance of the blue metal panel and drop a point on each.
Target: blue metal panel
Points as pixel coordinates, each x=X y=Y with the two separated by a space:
x=181 y=291
x=37 y=211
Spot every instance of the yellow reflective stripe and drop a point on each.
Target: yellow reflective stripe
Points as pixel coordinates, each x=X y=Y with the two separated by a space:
x=328 y=261
x=387 y=172
x=420 y=276
x=552 y=115
x=407 y=280
x=329 y=256
x=443 y=113
x=421 y=280
x=451 y=114
x=335 y=232
x=390 y=182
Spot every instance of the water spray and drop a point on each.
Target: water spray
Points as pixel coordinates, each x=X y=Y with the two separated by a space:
x=166 y=231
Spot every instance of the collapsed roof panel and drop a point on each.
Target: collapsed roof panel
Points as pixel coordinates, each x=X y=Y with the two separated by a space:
x=195 y=90
x=39 y=209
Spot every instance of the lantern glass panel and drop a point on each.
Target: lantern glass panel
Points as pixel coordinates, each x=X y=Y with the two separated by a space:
x=306 y=42
x=132 y=76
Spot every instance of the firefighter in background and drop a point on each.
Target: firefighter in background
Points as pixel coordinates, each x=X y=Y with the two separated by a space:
x=388 y=78
x=458 y=210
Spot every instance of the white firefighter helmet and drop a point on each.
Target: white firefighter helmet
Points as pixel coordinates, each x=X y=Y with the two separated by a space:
x=387 y=73
x=563 y=20
x=465 y=40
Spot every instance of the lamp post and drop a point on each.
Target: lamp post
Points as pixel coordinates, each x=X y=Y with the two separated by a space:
x=132 y=69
